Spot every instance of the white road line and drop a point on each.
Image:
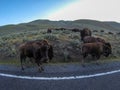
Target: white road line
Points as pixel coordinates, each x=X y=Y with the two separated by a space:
x=60 y=78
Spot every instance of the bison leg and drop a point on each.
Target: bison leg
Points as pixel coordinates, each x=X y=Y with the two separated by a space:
x=40 y=68
x=93 y=56
x=84 y=56
x=83 y=64
x=98 y=57
x=97 y=62
x=22 y=58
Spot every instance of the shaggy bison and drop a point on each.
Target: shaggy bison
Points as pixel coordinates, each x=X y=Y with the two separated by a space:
x=40 y=50
x=75 y=30
x=49 y=30
x=96 y=49
x=85 y=32
x=91 y=39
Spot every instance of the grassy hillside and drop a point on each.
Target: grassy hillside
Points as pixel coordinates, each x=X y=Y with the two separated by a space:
x=44 y=24
x=98 y=25
x=66 y=43
x=114 y=24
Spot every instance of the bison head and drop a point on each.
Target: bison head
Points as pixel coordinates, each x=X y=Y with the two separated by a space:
x=46 y=51
x=85 y=32
x=107 y=49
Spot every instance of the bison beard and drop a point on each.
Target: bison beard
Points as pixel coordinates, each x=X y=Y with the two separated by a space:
x=39 y=50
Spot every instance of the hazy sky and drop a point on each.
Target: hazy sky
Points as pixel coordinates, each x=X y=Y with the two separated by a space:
x=104 y=10
x=19 y=11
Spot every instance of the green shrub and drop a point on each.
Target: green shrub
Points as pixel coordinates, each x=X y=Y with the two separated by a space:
x=74 y=43
x=50 y=37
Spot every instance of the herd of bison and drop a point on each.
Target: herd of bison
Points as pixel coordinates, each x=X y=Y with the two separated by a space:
x=42 y=51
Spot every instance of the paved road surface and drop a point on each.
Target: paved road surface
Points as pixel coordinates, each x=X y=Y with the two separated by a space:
x=104 y=82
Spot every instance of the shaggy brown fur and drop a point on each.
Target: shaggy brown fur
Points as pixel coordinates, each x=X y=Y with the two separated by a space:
x=91 y=39
x=85 y=32
x=96 y=49
x=40 y=50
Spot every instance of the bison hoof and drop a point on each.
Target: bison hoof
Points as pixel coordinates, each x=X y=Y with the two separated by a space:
x=22 y=69
x=83 y=65
x=97 y=63
x=46 y=61
x=39 y=70
x=42 y=69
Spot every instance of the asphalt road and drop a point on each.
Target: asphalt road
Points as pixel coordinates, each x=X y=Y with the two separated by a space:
x=103 y=82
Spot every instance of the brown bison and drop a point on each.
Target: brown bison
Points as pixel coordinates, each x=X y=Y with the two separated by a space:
x=49 y=30
x=95 y=30
x=40 y=50
x=91 y=39
x=61 y=29
x=110 y=33
x=75 y=30
x=95 y=49
x=85 y=32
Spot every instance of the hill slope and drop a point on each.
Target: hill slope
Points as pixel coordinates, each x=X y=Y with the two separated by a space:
x=66 y=43
x=44 y=24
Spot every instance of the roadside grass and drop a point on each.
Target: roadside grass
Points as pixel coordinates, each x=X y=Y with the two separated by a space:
x=10 y=62
x=16 y=62
x=66 y=45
